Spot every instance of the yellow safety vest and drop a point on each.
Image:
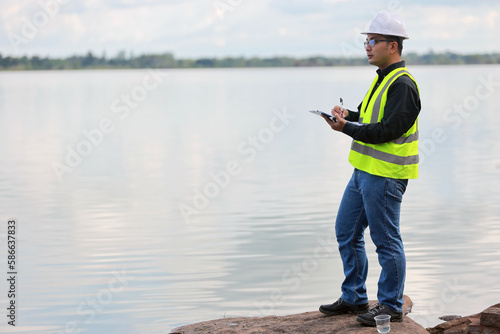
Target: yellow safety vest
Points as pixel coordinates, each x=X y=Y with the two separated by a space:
x=396 y=159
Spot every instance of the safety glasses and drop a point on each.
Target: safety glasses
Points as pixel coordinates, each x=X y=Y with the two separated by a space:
x=372 y=42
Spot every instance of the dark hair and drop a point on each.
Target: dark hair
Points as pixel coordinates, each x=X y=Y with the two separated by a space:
x=398 y=40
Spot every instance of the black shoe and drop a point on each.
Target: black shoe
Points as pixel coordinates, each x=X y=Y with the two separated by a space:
x=368 y=318
x=342 y=307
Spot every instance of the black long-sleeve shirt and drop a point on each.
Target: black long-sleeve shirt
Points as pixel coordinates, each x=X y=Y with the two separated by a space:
x=400 y=111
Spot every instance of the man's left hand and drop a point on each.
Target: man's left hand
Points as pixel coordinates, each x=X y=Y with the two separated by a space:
x=339 y=115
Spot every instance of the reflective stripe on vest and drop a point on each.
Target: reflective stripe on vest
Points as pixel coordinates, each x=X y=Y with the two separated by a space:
x=397 y=158
x=383 y=156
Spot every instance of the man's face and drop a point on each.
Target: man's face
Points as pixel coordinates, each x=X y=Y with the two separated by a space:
x=378 y=54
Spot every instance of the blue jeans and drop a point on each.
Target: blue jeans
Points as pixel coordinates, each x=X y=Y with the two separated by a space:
x=372 y=201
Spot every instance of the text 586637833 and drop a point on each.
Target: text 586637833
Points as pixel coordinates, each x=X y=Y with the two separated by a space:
x=11 y=271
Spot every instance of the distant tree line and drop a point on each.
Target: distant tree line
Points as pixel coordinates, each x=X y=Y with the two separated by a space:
x=167 y=60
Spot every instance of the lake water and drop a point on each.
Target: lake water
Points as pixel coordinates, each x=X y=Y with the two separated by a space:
x=145 y=200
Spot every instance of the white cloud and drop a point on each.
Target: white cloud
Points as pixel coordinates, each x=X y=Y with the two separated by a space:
x=492 y=19
x=457 y=28
x=292 y=27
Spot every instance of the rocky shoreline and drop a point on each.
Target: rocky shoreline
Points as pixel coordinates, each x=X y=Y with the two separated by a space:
x=486 y=322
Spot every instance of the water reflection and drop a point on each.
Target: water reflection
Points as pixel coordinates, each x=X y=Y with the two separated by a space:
x=264 y=245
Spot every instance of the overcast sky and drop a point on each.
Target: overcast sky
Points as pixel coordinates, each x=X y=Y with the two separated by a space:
x=208 y=28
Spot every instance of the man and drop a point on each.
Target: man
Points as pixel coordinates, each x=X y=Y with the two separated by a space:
x=384 y=154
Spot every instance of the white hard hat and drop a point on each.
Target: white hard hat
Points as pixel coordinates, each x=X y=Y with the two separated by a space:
x=386 y=23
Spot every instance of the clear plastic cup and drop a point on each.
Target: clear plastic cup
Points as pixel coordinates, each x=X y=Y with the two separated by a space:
x=383 y=322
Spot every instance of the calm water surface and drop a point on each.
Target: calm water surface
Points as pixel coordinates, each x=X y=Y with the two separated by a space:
x=146 y=200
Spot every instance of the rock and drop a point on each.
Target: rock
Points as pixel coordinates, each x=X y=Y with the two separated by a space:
x=463 y=328
x=491 y=316
x=456 y=326
x=476 y=328
x=486 y=322
x=449 y=317
x=304 y=323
